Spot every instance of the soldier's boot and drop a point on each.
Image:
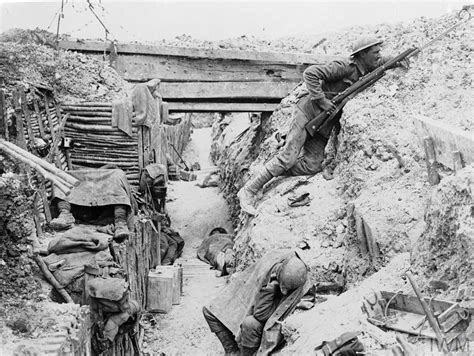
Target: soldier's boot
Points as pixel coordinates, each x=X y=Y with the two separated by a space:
x=65 y=220
x=248 y=351
x=247 y=194
x=228 y=343
x=121 y=232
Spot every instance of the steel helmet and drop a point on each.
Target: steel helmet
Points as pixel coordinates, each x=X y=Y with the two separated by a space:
x=293 y=274
x=364 y=43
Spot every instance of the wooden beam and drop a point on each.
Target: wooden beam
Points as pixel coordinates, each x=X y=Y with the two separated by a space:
x=431 y=162
x=165 y=111
x=3 y=116
x=27 y=115
x=221 y=107
x=446 y=140
x=270 y=57
x=140 y=149
x=20 y=131
x=457 y=161
x=226 y=90
x=141 y=68
x=39 y=118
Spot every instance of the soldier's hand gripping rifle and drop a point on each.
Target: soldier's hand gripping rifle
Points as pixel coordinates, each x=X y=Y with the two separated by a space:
x=324 y=120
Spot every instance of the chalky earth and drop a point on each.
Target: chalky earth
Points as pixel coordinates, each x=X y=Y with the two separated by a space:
x=380 y=178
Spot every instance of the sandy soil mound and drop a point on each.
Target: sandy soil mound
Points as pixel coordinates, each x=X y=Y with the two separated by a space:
x=28 y=58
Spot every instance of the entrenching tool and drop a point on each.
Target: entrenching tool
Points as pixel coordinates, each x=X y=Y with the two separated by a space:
x=324 y=121
x=181 y=158
x=187 y=174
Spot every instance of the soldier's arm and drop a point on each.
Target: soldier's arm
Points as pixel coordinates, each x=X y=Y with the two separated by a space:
x=315 y=74
x=264 y=306
x=404 y=63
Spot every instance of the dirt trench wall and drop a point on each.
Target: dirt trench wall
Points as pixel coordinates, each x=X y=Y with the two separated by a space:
x=29 y=322
x=16 y=227
x=370 y=188
x=444 y=250
x=374 y=208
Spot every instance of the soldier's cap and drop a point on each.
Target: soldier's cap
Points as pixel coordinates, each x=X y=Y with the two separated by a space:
x=364 y=43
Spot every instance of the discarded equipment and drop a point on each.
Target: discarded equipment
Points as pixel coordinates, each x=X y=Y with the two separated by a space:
x=181 y=158
x=421 y=316
x=187 y=174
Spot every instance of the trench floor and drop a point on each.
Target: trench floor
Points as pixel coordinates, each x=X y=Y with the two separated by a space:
x=194 y=211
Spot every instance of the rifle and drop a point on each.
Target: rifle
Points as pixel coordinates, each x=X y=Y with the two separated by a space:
x=324 y=120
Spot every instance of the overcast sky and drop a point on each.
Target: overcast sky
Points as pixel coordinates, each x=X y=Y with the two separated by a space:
x=212 y=20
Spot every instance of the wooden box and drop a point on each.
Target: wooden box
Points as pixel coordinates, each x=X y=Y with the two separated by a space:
x=177 y=283
x=160 y=289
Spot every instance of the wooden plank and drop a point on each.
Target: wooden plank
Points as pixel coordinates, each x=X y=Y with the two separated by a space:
x=3 y=116
x=457 y=161
x=48 y=116
x=446 y=140
x=176 y=69
x=164 y=111
x=39 y=118
x=189 y=106
x=140 y=149
x=226 y=90
x=20 y=131
x=36 y=217
x=271 y=57
x=146 y=140
x=44 y=198
x=177 y=283
x=59 y=134
x=431 y=163
x=359 y=225
x=26 y=113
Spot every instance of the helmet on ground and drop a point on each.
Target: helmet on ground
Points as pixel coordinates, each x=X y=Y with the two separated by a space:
x=293 y=274
x=364 y=43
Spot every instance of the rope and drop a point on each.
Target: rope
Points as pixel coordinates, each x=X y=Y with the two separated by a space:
x=107 y=32
x=52 y=20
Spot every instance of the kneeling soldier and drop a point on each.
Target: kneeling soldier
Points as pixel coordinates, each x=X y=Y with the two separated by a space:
x=249 y=309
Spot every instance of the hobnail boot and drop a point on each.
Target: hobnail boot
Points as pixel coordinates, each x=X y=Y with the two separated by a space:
x=64 y=221
x=247 y=198
x=121 y=230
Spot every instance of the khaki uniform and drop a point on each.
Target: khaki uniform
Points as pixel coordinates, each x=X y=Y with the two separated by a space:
x=250 y=306
x=303 y=154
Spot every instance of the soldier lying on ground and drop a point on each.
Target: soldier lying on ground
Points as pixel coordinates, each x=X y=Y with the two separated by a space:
x=217 y=250
x=102 y=197
x=248 y=310
x=303 y=154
